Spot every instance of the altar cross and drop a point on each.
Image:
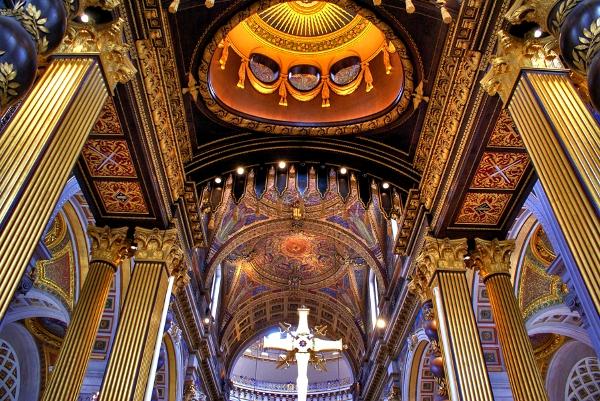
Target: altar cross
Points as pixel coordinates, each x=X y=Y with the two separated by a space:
x=301 y=344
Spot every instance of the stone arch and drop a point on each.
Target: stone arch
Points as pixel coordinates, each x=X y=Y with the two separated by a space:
x=417 y=345
x=561 y=365
x=27 y=358
x=268 y=309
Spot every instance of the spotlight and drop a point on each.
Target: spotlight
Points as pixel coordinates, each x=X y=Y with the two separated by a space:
x=282 y=164
x=385 y=185
x=240 y=170
x=343 y=170
x=538 y=33
x=84 y=18
x=218 y=180
x=380 y=323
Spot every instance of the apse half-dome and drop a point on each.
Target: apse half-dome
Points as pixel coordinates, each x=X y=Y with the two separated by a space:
x=308 y=67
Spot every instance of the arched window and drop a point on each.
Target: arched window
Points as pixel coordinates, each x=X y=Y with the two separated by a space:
x=394 y=229
x=373 y=298
x=9 y=373
x=215 y=292
x=584 y=381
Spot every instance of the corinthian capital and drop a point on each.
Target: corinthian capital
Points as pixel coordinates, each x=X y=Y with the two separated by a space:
x=162 y=246
x=105 y=41
x=441 y=254
x=492 y=257
x=108 y=244
x=513 y=55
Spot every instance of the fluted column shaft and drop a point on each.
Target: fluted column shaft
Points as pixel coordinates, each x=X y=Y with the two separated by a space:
x=108 y=249
x=492 y=260
x=440 y=274
x=38 y=150
x=158 y=262
x=563 y=141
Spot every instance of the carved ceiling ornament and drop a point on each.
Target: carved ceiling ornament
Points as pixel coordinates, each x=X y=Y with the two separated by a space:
x=105 y=40
x=203 y=86
x=514 y=54
x=441 y=254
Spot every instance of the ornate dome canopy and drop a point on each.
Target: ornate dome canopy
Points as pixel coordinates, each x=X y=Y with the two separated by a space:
x=326 y=66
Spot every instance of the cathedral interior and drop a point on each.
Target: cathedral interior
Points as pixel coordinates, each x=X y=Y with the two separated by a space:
x=182 y=182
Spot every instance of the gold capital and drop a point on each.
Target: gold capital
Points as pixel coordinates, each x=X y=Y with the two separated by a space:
x=492 y=257
x=162 y=246
x=109 y=244
x=531 y=11
x=106 y=41
x=513 y=55
x=440 y=254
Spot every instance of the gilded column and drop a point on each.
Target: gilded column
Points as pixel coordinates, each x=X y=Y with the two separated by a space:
x=39 y=147
x=109 y=247
x=158 y=264
x=492 y=260
x=563 y=141
x=440 y=270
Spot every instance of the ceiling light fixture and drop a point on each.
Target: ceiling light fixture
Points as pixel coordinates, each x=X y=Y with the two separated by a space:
x=206 y=320
x=282 y=164
x=538 y=33
x=84 y=18
x=240 y=170
x=385 y=185
x=218 y=180
x=380 y=323
x=343 y=170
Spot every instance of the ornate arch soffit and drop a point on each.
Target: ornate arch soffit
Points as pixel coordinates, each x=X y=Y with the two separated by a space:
x=399 y=111
x=271 y=308
x=310 y=226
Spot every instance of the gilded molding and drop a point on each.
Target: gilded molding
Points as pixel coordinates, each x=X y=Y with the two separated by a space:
x=513 y=55
x=108 y=244
x=108 y=5
x=107 y=42
x=157 y=100
x=156 y=245
x=492 y=257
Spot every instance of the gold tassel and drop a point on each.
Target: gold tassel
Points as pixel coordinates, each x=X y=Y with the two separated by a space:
x=224 y=44
x=390 y=47
x=282 y=94
x=446 y=17
x=242 y=74
x=410 y=7
x=386 y=61
x=325 y=94
x=368 y=77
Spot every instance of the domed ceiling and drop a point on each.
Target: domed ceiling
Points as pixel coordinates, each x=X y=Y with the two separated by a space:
x=316 y=64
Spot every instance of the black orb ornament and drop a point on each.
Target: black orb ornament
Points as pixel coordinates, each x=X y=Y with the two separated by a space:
x=576 y=34
x=594 y=81
x=18 y=61
x=52 y=21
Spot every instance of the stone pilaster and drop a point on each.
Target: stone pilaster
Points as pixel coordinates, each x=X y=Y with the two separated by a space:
x=441 y=265
x=492 y=260
x=158 y=265
x=109 y=247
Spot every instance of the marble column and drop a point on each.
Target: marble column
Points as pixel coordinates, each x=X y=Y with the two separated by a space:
x=492 y=260
x=440 y=271
x=109 y=247
x=563 y=141
x=40 y=145
x=157 y=270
